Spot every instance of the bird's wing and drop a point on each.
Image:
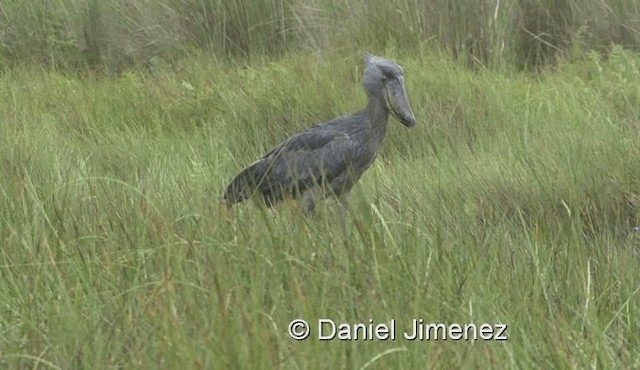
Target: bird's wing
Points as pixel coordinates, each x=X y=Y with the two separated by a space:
x=305 y=160
x=316 y=155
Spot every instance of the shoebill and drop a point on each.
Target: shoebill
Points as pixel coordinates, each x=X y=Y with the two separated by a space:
x=329 y=158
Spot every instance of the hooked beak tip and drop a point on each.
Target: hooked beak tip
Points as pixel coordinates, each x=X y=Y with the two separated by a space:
x=409 y=122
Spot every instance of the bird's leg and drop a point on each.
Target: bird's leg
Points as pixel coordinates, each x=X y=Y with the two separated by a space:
x=308 y=202
x=344 y=200
x=344 y=207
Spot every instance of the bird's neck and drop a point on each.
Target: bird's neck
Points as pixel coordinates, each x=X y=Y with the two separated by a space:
x=378 y=116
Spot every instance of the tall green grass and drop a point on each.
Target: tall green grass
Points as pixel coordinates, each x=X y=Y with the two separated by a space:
x=113 y=34
x=513 y=201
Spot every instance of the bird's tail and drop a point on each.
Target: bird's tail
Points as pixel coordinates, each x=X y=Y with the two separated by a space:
x=245 y=184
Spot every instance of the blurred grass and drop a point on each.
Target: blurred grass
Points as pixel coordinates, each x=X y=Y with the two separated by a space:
x=112 y=35
x=512 y=201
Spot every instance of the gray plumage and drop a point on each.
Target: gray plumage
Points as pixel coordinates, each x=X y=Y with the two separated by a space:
x=328 y=159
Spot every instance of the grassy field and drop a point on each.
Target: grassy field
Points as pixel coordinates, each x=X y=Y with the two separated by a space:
x=512 y=201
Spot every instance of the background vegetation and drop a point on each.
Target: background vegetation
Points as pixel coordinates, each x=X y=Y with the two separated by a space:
x=499 y=33
x=513 y=200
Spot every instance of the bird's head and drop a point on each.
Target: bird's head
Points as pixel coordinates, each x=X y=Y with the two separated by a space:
x=384 y=80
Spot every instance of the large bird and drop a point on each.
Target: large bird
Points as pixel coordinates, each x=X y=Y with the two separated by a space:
x=328 y=159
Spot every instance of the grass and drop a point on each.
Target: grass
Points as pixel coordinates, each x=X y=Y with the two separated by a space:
x=512 y=201
x=112 y=35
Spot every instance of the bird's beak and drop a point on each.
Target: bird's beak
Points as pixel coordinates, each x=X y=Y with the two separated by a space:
x=397 y=102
